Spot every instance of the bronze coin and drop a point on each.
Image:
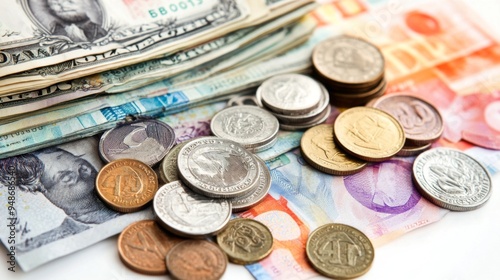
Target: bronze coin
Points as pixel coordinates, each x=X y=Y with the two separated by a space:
x=245 y=241
x=420 y=120
x=196 y=259
x=126 y=185
x=143 y=247
x=340 y=251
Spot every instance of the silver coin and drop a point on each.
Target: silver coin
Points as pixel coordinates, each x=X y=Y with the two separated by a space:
x=146 y=140
x=295 y=119
x=186 y=213
x=290 y=94
x=318 y=120
x=265 y=146
x=246 y=202
x=217 y=167
x=168 y=167
x=452 y=179
x=247 y=125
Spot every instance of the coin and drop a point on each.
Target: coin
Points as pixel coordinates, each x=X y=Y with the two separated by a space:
x=420 y=120
x=245 y=241
x=196 y=259
x=290 y=94
x=368 y=133
x=351 y=99
x=339 y=251
x=264 y=147
x=319 y=150
x=451 y=179
x=126 y=185
x=409 y=151
x=242 y=203
x=145 y=140
x=143 y=246
x=186 y=213
x=217 y=167
x=247 y=125
x=349 y=61
x=319 y=119
x=168 y=167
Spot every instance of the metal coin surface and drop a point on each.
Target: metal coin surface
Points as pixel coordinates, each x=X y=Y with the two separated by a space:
x=339 y=251
x=242 y=100
x=452 y=179
x=126 y=185
x=348 y=60
x=186 y=213
x=249 y=126
x=242 y=203
x=409 y=151
x=421 y=121
x=196 y=259
x=319 y=119
x=168 y=167
x=143 y=246
x=217 y=167
x=265 y=146
x=245 y=241
x=318 y=149
x=290 y=94
x=368 y=133
x=146 y=140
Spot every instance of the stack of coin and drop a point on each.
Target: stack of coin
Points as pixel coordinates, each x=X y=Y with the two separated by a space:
x=298 y=101
x=420 y=120
x=254 y=128
x=352 y=70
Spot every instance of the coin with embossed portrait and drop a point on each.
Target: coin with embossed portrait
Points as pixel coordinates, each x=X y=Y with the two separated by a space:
x=217 y=167
x=145 y=140
x=249 y=126
x=196 y=259
x=186 y=213
x=339 y=251
x=452 y=179
x=245 y=241
x=143 y=246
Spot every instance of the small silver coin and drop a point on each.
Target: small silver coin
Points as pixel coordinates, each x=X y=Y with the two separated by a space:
x=168 y=167
x=246 y=202
x=146 y=140
x=217 y=167
x=451 y=179
x=318 y=120
x=247 y=125
x=186 y=213
x=290 y=94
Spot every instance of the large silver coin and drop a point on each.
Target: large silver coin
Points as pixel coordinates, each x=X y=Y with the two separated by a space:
x=246 y=202
x=186 y=213
x=290 y=94
x=217 y=167
x=146 y=140
x=168 y=168
x=452 y=179
x=249 y=126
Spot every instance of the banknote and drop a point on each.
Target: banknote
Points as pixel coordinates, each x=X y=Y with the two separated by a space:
x=45 y=78
x=50 y=32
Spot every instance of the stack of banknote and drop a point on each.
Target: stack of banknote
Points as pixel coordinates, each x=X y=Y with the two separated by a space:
x=64 y=81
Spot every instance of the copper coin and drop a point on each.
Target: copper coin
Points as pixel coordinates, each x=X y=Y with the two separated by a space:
x=196 y=259
x=143 y=247
x=126 y=185
x=145 y=140
x=421 y=121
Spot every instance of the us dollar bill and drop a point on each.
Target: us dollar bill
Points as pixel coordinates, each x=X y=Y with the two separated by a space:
x=48 y=32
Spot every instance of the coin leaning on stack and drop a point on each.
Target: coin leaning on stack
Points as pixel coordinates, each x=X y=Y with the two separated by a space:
x=298 y=101
x=351 y=69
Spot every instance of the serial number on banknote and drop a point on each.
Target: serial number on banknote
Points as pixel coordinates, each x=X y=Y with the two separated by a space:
x=174 y=7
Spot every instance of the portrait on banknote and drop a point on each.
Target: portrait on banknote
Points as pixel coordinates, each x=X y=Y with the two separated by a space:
x=62 y=178
x=79 y=21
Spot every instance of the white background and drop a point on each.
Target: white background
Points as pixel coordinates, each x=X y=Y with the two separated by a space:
x=460 y=246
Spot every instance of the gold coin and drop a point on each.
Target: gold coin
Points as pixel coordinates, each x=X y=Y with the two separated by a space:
x=319 y=150
x=339 y=251
x=369 y=133
x=245 y=241
x=126 y=185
